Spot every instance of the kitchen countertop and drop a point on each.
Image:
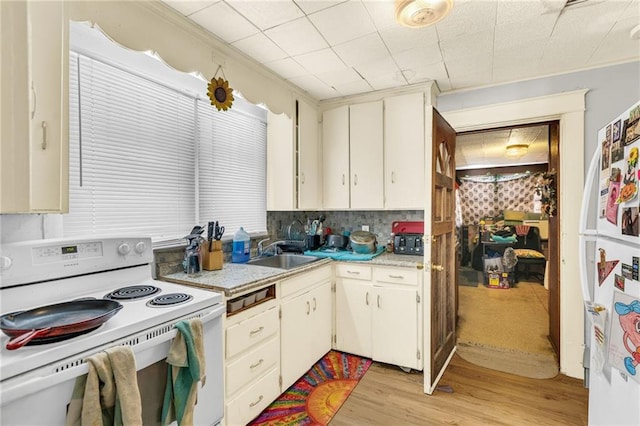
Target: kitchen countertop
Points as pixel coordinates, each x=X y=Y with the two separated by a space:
x=236 y=278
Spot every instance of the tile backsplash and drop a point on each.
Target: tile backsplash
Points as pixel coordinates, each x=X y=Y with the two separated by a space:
x=379 y=222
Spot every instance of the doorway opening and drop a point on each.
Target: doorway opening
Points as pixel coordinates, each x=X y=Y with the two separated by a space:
x=504 y=214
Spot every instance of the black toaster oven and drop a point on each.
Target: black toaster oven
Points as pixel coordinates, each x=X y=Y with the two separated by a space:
x=408 y=244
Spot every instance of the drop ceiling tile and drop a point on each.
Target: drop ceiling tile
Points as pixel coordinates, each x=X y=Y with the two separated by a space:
x=418 y=57
x=314 y=87
x=382 y=13
x=343 y=22
x=386 y=81
x=260 y=48
x=590 y=18
x=521 y=33
x=470 y=65
x=353 y=88
x=525 y=55
x=287 y=68
x=340 y=77
x=444 y=85
x=562 y=55
x=365 y=49
x=320 y=61
x=383 y=66
x=468 y=45
x=432 y=72
x=617 y=45
x=467 y=17
x=189 y=7
x=399 y=39
x=477 y=79
x=517 y=11
x=266 y=14
x=311 y=6
x=297 y=37
x=224 y=22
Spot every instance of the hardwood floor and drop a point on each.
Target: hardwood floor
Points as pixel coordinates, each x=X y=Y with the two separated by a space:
x=388 y=396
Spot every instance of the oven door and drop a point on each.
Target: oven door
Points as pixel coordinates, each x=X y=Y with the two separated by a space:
x=41 y=396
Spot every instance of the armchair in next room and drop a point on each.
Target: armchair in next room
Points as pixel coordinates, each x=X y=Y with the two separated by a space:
x=531 y=259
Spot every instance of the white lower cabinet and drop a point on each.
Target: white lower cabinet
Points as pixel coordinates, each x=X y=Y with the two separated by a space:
x=252 y=362
x=305 y=324
x=377 y=313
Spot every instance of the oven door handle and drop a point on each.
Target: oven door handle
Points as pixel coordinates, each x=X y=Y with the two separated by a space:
x=17 y=388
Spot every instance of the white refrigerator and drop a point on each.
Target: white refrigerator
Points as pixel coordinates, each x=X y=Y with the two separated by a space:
x=610 y=251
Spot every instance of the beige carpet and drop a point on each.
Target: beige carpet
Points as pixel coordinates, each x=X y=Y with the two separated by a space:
x=506 y=330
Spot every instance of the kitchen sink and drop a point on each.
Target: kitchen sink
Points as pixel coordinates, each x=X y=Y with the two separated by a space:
x=283 y=261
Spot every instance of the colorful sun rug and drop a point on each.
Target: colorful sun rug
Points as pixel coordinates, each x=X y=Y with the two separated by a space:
x=316 y=397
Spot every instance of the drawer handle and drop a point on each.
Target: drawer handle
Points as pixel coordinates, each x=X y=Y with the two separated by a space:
x=302 y=178
x=367 y=299
x=35 y=100
x=253 y=404
x=353 y=272
x=44 y=135
x=315 y=304
x=343 y=179
x=308 y=307
x=256 y=331
x=257 y=364
x=399 y=277
x=393 y=177
x=355 y=180
x=378 y=301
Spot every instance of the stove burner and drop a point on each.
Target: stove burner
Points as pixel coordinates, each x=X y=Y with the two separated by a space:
x=169 y=299
x=132 y=292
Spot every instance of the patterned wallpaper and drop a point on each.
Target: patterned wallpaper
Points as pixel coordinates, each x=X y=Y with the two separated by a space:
x=480 y=200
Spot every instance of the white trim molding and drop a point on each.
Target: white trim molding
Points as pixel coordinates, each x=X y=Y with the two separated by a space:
x=569 y=109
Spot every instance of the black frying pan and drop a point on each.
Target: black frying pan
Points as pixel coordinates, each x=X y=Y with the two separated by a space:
x=56 y=320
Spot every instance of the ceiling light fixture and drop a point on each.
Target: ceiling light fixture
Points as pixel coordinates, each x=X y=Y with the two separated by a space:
x=517 y=150
x=420 y=13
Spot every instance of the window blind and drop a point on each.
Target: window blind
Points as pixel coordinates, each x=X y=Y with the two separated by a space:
x=232 y=165
x=149 y=159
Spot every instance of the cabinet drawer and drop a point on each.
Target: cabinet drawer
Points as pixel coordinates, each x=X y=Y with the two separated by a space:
x=252 y=365
x=247 y=405
x=349 y=270
x=251 y=331
x=304 y=281
x=404 y=276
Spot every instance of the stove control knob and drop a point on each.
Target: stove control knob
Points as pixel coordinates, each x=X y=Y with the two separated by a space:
x=124 y=249
x=140 y=247
x=5 y=263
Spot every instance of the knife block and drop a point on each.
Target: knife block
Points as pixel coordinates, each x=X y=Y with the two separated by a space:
x=212 y=260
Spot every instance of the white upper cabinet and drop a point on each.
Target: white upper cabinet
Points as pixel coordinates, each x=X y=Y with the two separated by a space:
x=404 y=171
x=366 y=155
x=335 y=158
x=308 y=157
x=34 y=84
x=280 y=162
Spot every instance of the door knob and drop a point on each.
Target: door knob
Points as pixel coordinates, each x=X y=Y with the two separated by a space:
x=437 y=267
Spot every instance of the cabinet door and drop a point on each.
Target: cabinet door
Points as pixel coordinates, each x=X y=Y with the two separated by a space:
x=366 y=155
x=320 y=327
x=295 y=338
x=353 y=316
x=404 y=143
x=395 y=325
x=335 y=158
x=35 y=75
x=308 y=157
x=280 y=161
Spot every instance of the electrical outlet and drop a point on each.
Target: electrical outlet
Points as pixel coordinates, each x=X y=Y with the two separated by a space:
x=365 y=227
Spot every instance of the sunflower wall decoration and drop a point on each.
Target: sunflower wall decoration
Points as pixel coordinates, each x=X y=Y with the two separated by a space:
x=219 y=92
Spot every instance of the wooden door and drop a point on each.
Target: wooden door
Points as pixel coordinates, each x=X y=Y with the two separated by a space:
x=553 y=257
x=439 y=272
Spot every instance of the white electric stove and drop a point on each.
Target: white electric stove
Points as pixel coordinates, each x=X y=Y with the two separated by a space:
x=40 y=273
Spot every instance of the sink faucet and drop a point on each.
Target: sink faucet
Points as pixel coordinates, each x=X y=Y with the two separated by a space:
x=273 y=246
